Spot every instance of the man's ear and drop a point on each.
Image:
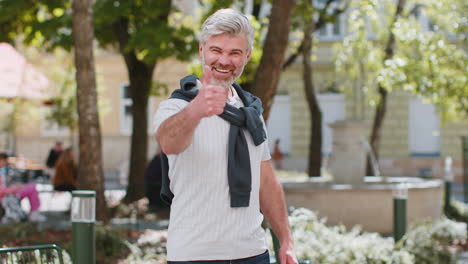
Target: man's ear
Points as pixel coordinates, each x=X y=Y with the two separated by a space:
x=200 y=49
x=248 y=54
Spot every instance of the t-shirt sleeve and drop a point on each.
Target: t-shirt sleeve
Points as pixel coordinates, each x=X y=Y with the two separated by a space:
x=266 y=149
x=166 y=109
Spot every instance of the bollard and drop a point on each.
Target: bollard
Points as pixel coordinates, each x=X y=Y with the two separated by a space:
x=83 y=217
x=400 y=196
x=465 y=167
x=448 y=177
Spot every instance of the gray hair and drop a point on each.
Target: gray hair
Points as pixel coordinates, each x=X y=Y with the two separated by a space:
x=228 y=21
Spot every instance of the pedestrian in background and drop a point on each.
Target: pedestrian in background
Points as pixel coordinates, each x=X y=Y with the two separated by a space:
x=277 y=155
x=66 y=172
x=19 y=190
x=52 y=158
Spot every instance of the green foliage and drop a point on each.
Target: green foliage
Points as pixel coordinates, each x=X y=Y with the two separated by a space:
x=16 y=231
x=431 y=64
x=110 y=243
x=447 y=16
x=304 y=11
x=159 y=89
x=156 y=29
x=358 y=59
x=153 y=28
x=47 y=23
x=143 y=31
x=457 y=211
x=210 y=6
x=37 y=22
x=63 y=103
x=63 y=109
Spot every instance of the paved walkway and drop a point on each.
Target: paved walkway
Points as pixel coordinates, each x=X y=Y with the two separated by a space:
x=463 y=258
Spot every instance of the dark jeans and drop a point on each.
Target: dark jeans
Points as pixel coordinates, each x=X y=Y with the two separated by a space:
x=263 y=258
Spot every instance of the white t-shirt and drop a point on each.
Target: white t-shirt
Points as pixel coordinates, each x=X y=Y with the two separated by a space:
x=202 y=224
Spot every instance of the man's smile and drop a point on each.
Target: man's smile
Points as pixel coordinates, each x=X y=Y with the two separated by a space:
x=221 y=70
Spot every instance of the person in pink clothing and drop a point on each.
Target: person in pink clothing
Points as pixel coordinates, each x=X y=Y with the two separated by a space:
x=20 y=190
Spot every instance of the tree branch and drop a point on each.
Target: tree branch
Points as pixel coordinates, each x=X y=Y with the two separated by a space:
x=292 y=58
x=323 y=19
x=120 y=28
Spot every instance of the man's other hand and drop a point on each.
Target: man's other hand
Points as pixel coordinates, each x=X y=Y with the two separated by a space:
x=287 y=255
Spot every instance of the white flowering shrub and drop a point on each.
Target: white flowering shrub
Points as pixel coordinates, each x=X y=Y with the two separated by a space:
x=334 y=245
x=426 y=242
x=433 y=243
x=149 y=249
x=66 y=257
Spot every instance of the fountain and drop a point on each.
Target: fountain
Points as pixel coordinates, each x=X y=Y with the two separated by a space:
x=352 y=199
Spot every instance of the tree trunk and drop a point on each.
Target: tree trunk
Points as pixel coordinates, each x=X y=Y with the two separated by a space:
x=268 y=72
x=315 y=138
x=140 y=76
x=90 y=173
x=381 y=109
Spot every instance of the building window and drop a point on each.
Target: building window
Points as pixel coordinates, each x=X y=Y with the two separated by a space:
x=126 y=120
x=337 y=27
x=126 y=110
x=52 y=129
x=329 y=31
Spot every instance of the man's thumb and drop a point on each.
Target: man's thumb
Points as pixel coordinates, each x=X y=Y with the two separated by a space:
x=206 y=77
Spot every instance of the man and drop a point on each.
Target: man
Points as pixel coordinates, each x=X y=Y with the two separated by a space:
x=221 y=179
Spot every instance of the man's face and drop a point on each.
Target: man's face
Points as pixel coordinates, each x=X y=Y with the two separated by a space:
x=3 y=163
x=226 y=55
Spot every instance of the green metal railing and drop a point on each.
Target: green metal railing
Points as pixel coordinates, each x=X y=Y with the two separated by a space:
x=43 y=254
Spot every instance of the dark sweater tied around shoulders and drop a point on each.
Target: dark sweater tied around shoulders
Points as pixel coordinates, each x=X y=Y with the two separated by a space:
x=239 y=169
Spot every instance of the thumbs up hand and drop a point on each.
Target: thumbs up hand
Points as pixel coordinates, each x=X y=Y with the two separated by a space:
x=210 y=99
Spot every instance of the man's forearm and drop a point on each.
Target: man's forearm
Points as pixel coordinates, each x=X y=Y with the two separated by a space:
x=272 y=204
x=175 y=134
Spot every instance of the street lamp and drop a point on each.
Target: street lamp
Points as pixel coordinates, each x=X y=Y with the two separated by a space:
x=83 y=217
x=400 y=196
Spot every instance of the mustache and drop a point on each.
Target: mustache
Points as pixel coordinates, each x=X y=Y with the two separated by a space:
x=221 y=67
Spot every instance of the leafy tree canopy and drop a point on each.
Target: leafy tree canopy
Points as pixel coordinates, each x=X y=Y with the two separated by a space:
x=429 y=60
x=47 y=23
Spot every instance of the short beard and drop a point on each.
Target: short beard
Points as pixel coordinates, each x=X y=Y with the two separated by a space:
x=223 y=83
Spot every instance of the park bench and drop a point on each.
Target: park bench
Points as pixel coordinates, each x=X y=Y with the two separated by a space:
x=47 y=254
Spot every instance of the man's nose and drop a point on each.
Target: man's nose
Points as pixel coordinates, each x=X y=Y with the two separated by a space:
x=224 y=60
